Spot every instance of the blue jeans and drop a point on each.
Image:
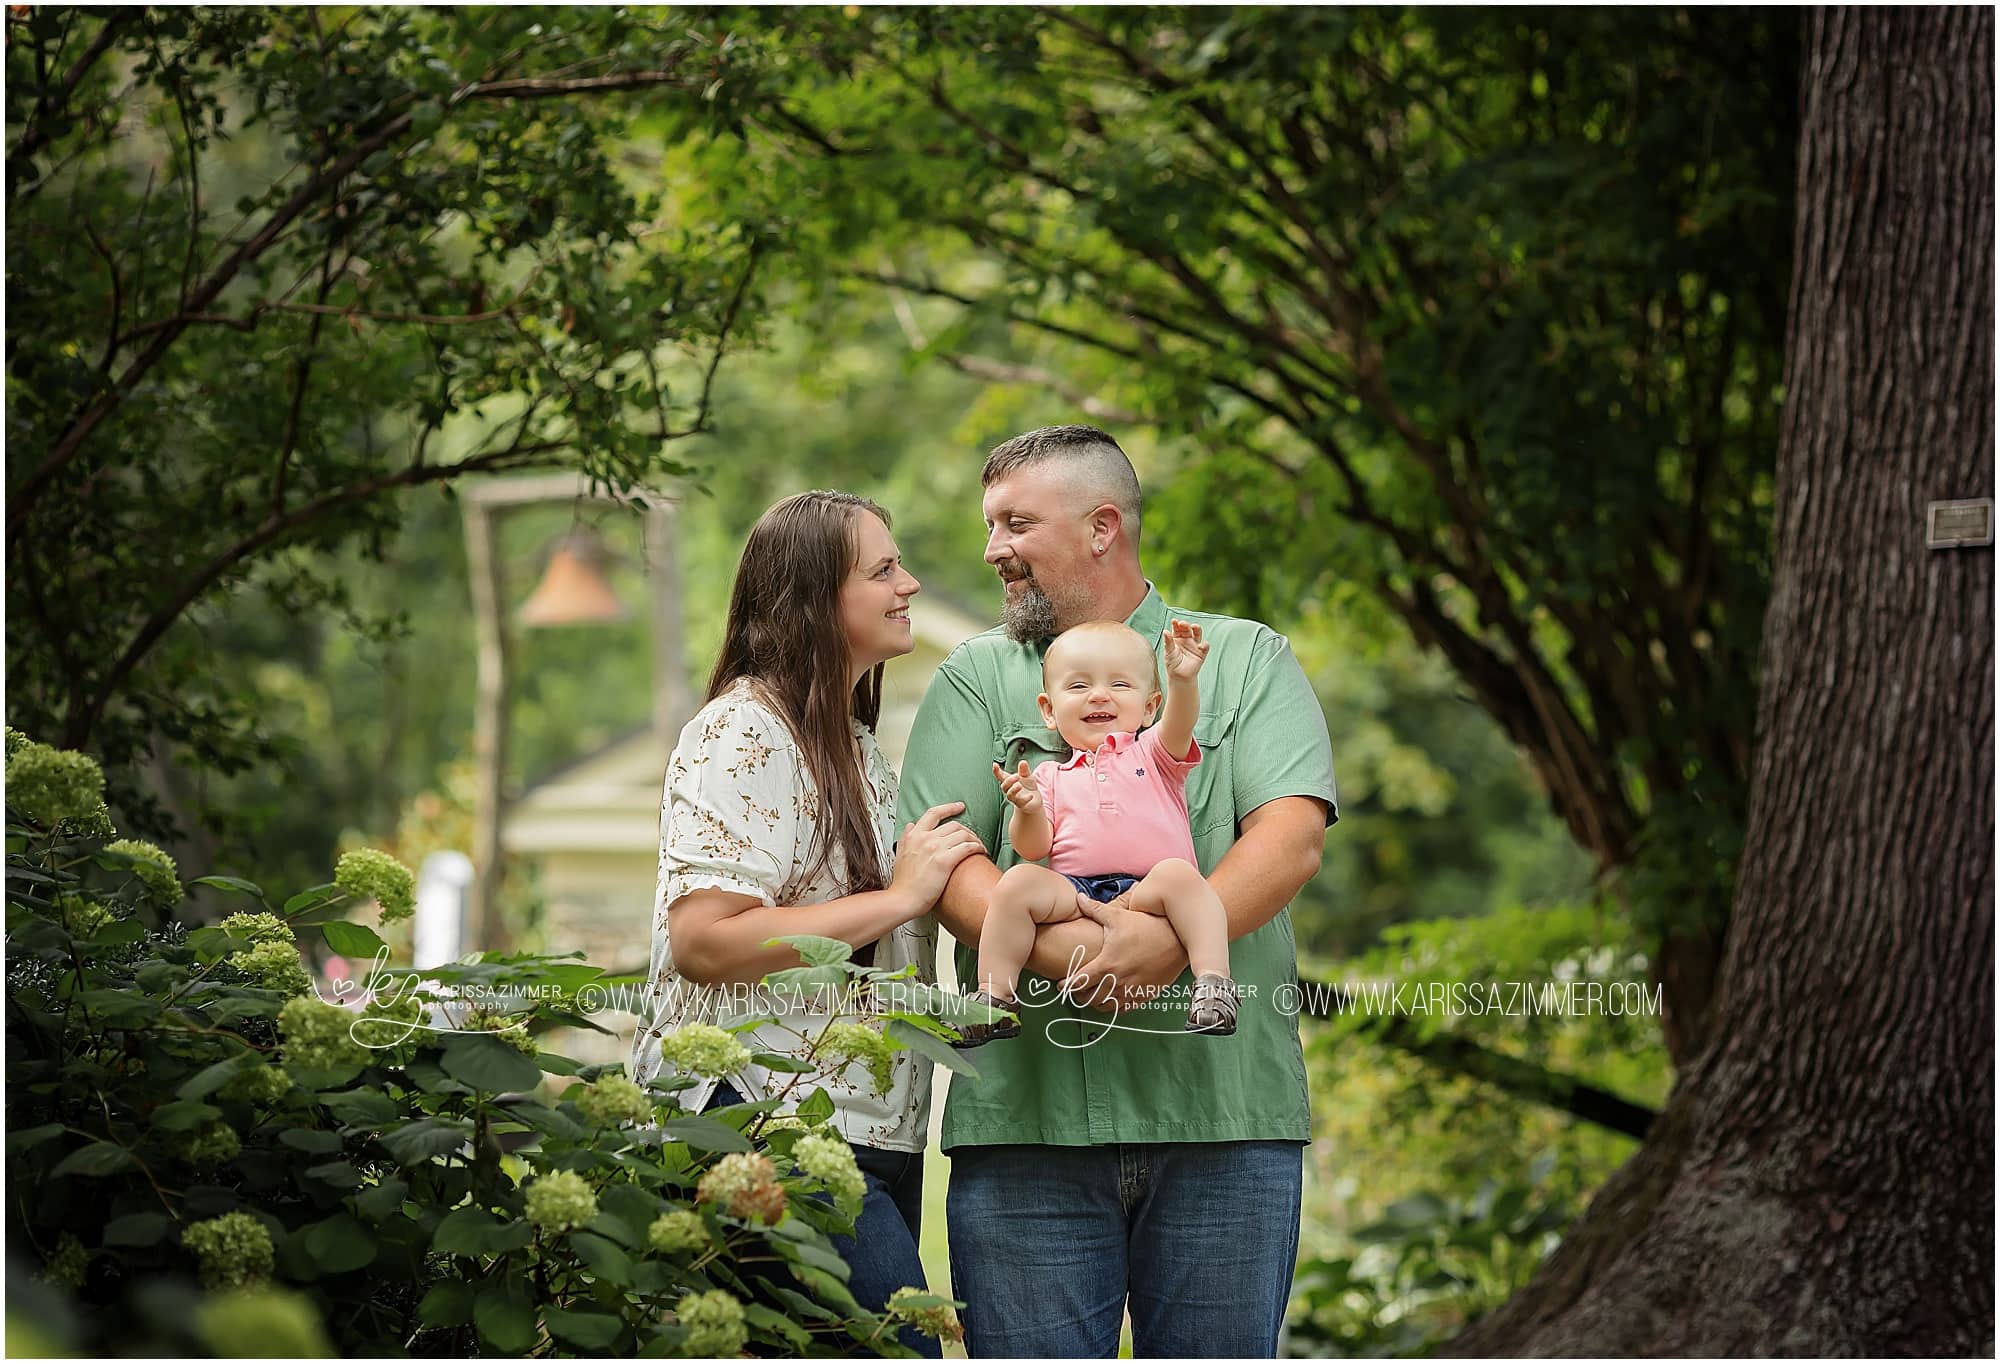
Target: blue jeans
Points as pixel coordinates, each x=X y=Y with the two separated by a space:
x=882 y=1254
x=1048 y=1243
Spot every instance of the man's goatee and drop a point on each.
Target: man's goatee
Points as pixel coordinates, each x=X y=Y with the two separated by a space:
x=1030 y=617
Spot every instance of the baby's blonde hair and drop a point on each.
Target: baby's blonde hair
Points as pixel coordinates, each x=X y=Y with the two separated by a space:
x=1110 y=630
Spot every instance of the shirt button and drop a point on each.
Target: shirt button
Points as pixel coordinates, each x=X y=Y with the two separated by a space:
x=1102 y=777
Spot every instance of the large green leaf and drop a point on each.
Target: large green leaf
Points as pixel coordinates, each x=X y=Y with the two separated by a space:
x=356 y=942
x=605 y=1259
x=486 y=1063
x=505 y=1318
x=361 y=1107
x=925 y=1045
x=585 y=1330
x=423 y=1140
x=97 y=1159
x=814 y=950
x=475 y=1231
x=705 y=1134
x=340 y=1243
x=449 y=1303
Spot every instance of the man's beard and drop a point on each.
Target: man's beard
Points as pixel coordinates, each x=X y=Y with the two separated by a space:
x=1029 y=615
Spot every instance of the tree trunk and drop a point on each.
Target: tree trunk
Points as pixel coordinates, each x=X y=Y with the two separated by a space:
x=1821 y=1181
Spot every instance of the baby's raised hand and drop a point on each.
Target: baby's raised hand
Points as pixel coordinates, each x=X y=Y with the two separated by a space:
x=1185 y=650
x=1019 y=788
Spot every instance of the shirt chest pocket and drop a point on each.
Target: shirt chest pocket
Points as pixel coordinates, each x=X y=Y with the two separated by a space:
x=1211 y=787
x=1032 y=745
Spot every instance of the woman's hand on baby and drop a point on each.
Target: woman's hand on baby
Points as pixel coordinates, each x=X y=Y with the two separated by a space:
x=1020 y=789
x=929 y=852
x=1186 y=650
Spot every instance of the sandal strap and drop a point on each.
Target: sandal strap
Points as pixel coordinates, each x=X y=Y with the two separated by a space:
x=1219 y=991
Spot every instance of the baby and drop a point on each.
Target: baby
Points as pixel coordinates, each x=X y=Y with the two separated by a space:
x=1111 y=819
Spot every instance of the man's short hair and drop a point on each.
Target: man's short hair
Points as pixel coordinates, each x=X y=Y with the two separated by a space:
x=1089 y=458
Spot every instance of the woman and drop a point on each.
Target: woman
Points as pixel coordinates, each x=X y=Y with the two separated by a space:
x=779 y=819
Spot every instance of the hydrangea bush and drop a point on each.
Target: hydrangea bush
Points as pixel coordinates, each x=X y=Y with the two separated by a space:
x=203 y=1153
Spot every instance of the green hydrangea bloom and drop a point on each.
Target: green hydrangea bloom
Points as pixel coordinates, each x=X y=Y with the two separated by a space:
x=156 y=871
x=714 y=1324
x=264 y=1085
x=676 y=1231
x=81 y=917
x=514 y=1035
x=931 y=1319
x=50 y=785
x=368 y=874
x=846 y=1043
x=275 y=966
x=259 y=928
x=234 y=1249
x=214 y=1143
x=745 y=1183
x=703 y=1049
x=613 y=1101
x=96 y=824
x=561 y=1201
x=70 y=1262
x=263 y=1323
x=392 y=1021
x=831 y=1161
x=317 y=1034
x=16 y=741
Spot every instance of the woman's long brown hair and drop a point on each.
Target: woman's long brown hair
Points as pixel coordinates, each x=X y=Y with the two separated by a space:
x=784 y=635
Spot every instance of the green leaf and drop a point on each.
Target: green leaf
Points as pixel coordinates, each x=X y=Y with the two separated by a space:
x=356 y=942
x=486 y=1063
x=449 y=1303
x=506 y=1320
x=929 y=1047
x=417 y=1142
x=475 y=1231
x=585 y=1330
x=382 y=1201
x=340 y=1243
x=310 y=1140
x=33 y=1136
x=118 y=1008
x=605 y=1259
x=211 y=1078
x=759 y=1315
x=339 y=1174
x=548 y=1121
x=705 y=1134
x=814 y=950
x=184 y=1115
x=778 y=1061
x=95 y=1160
x=235 y=883
x=360 y=1107
x=817 y=1108
x=313 y=895
x=634 y=1209
x=136 y=1229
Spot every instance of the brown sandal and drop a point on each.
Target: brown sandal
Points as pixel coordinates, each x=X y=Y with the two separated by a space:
x=979 y=1034
x=1213 y=1010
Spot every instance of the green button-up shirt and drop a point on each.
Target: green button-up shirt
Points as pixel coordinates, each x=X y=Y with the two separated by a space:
x=1262 y=736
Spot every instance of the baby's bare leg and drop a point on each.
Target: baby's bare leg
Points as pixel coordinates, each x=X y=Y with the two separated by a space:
x=1027 y=895
x=1177 y=890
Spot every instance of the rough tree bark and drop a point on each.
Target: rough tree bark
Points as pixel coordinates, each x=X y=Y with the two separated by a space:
x=1821 y=1181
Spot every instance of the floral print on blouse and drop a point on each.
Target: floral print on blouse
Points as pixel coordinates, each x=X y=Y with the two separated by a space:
x=738 y=814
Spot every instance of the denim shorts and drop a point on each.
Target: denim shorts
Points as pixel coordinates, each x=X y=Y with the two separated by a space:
x=1103 y=889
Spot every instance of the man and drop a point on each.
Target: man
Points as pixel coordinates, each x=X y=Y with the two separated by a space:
x=1098 y=1168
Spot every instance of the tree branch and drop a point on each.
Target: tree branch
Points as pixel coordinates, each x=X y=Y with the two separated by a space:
x=1509 y=1074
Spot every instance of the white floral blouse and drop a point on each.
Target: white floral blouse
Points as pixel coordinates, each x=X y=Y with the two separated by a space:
x=738 y=815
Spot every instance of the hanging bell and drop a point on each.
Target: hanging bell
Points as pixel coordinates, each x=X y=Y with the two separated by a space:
x=573 y=590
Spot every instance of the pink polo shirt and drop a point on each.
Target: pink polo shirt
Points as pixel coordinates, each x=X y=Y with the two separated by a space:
x=1121 y=810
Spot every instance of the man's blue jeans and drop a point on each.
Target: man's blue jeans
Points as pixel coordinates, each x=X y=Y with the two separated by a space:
x=882 y=1254
x=1047 y=1242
